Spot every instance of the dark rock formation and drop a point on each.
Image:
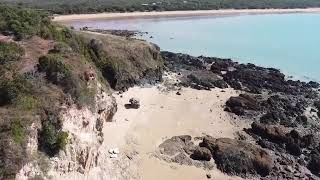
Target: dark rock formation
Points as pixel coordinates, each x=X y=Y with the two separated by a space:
x=238 y=157
x=314 y=164
x=123 y=33
x=194 y=71
x=201 y=153
x=273 y=133
x=281 y=140
x=204 y=80
x=239 y=104
x=133 y=104
x=222 y=66
x=278 y=134
x=246 y=77
x=278 y=104
x=285 y=110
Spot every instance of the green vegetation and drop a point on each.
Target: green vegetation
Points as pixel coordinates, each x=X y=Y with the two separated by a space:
x=26 y=102
x=56 y=71
x=24 y=23
x=85 y=6
x=51 y=139
x=11 y=91
x=21 y=22
x=33 y=87
x=14 y=87
x=17 y=131
x=10 y=52
x=60 y=73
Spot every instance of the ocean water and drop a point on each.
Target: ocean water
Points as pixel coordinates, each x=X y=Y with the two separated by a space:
x=289 y=42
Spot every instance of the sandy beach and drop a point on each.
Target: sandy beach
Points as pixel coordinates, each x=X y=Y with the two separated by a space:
x=224 y=12
x=163 y=115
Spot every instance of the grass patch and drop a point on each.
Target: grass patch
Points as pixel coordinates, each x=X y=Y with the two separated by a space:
x=10 y=52
x=12 y=90
x=17 y=131
x=26 y=102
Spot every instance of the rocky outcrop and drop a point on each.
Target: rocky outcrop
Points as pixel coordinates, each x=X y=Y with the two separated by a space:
x=193 y=71
x=125 y=63
x=291 y=149
x=123 y=33
x=85 y=130
x=84 y=127
x=133 y=104
x=202 y=154
x=176 y=144
x=276 y=104
x=292 y=140
x=282 y=109
x=238 y=157
x=204 y=80
x=231 y=156
x=182 y=150
x=255 y=79
x=240 y=104
x=314 y=164
x=246 y=77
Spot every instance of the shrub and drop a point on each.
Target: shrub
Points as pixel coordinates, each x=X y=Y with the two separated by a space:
x=51 y=139
x=10 y=90
x=26 y=102
x=17 y=131
x=60 y=74
x=56 y=71
x=62 y=140
x=10 y=52
x=61 y=47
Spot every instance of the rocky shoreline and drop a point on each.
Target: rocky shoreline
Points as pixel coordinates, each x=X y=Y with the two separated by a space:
x=284 y=135
x=116 y=32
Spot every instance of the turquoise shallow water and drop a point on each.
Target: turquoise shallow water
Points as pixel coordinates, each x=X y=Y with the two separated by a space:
x=290 y=42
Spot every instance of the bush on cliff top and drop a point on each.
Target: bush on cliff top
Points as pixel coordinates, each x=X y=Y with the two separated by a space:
x=10 y=52
x=60 y=73
x=12 y=90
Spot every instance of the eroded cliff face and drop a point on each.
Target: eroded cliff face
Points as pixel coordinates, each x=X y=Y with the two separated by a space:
x=84 y=127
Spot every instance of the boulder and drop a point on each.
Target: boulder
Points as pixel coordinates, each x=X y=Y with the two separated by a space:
x=293 y=141
x=313 y=84
x=133 y=104
x=271 y=132
x=237 y=157
x=294 y=149
x=317 y=105
x=283 y=110
x=202 y=154
x=220 y=66
x=89 y=75
x=273 y=117
x=240 y=104
x=175 y=145
x=204 y=80
x=314 y=164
